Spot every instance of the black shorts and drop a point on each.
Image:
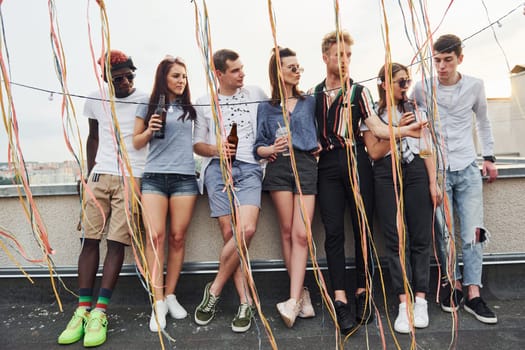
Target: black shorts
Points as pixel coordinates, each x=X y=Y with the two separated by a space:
x=279 y=175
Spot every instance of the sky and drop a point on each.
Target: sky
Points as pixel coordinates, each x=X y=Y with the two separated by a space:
x=148 y=30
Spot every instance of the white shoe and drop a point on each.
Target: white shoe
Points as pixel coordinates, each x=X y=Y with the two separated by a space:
x=161 y=309
x=289 y=310
x=307 y=309
x=420 y=313
x=401 y=325
x=176 y=310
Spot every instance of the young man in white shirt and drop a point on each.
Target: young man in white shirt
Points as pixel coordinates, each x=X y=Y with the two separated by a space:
x=458 y=96
x=106 y=203
x=238 y=105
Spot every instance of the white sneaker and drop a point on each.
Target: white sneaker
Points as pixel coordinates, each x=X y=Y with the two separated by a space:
x=401 y=325
x=161 y=309
x=420 y=313
x=307 y=309
x=289 y=310
x=176 y=310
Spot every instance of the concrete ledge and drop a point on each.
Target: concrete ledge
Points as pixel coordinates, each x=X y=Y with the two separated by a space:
x=40 y=190
x=59 y=206
x=211 y=267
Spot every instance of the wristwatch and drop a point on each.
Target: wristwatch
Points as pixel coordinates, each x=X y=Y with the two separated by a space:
x=490 y=159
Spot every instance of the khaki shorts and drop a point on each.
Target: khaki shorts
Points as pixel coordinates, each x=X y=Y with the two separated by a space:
x=105 y=208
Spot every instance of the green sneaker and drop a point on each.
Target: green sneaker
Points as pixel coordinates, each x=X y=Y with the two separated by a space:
x=75 y=328
x=96 y=329
x=243 y=320
x=206 y=310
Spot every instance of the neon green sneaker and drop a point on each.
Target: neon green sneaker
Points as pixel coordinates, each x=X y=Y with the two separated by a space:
x=96 y=329
x=75 y=328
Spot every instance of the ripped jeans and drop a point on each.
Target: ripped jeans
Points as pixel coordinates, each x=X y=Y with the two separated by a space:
x=465 y=195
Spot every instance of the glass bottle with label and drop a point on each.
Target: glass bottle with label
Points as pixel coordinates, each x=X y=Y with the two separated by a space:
x=233 y=139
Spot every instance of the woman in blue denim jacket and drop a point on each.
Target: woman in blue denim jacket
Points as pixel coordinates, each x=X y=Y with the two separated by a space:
x=285 y=186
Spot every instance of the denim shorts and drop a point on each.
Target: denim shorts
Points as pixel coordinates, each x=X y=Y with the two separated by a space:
x=279 y=175
x=169 y=184
x=247 y=183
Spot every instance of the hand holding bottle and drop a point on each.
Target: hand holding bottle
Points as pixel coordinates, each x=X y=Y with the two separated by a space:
x=159 y=116
x=407 y=119
x=155 y=123
x=231 y=143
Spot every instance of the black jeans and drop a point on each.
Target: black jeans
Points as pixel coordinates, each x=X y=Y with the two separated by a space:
x=417 y=219
x=334 y=192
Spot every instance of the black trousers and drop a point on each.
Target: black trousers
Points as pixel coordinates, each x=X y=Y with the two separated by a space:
x=417 y=219
x=334 y=193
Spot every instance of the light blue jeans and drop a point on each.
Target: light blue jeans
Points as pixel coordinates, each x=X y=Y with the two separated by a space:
x=465 y=195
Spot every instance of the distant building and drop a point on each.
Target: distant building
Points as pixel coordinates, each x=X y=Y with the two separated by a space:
x=45 y=173
x=507 y=116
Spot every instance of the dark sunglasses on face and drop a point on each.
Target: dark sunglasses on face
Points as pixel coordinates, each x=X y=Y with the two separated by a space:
x=296 y=69
x=403 y=83
x=120 y=79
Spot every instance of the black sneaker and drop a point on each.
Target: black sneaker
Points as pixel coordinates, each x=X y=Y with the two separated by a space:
x=363 y=309
x=480 y=310
x=345 y=319
x=450 y=299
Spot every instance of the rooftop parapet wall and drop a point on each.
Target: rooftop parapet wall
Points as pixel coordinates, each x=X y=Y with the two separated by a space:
x=59 y=206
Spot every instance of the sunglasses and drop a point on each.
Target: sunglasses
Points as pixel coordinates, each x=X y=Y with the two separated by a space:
x=120 y=79
x=173 y=59
x=296 y=69
x=403 y=83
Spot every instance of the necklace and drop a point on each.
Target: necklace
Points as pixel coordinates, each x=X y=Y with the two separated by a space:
x=332 y=93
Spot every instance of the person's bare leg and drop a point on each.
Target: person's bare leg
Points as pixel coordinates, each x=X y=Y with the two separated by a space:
x=155 y=212
x=299 y=252
x=229 y=259
x=181 y=211
x=283 y=202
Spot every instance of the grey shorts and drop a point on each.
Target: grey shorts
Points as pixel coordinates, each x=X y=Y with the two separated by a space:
x=279 y=175
x=169 y=184
x=247 y=185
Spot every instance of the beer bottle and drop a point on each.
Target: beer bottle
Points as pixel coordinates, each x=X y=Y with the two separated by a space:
x=233 y=139
x=161 y=110
x=408 y=105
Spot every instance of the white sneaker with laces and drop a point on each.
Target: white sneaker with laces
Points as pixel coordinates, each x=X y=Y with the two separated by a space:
x=161 y=309
x=401 y=325
x=420 y=313
x=175 y=309
x=307 y=309
x=289 y=310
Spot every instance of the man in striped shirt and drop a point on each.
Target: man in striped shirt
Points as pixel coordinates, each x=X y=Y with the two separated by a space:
x=339 y=112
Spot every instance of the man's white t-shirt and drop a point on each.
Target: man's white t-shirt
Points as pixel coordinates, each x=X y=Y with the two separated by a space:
x=240 y=108
x=107 y=159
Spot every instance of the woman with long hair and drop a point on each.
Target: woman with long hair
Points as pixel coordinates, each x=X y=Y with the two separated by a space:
x=169 y=186
x=416 y=184
x=279 y=178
